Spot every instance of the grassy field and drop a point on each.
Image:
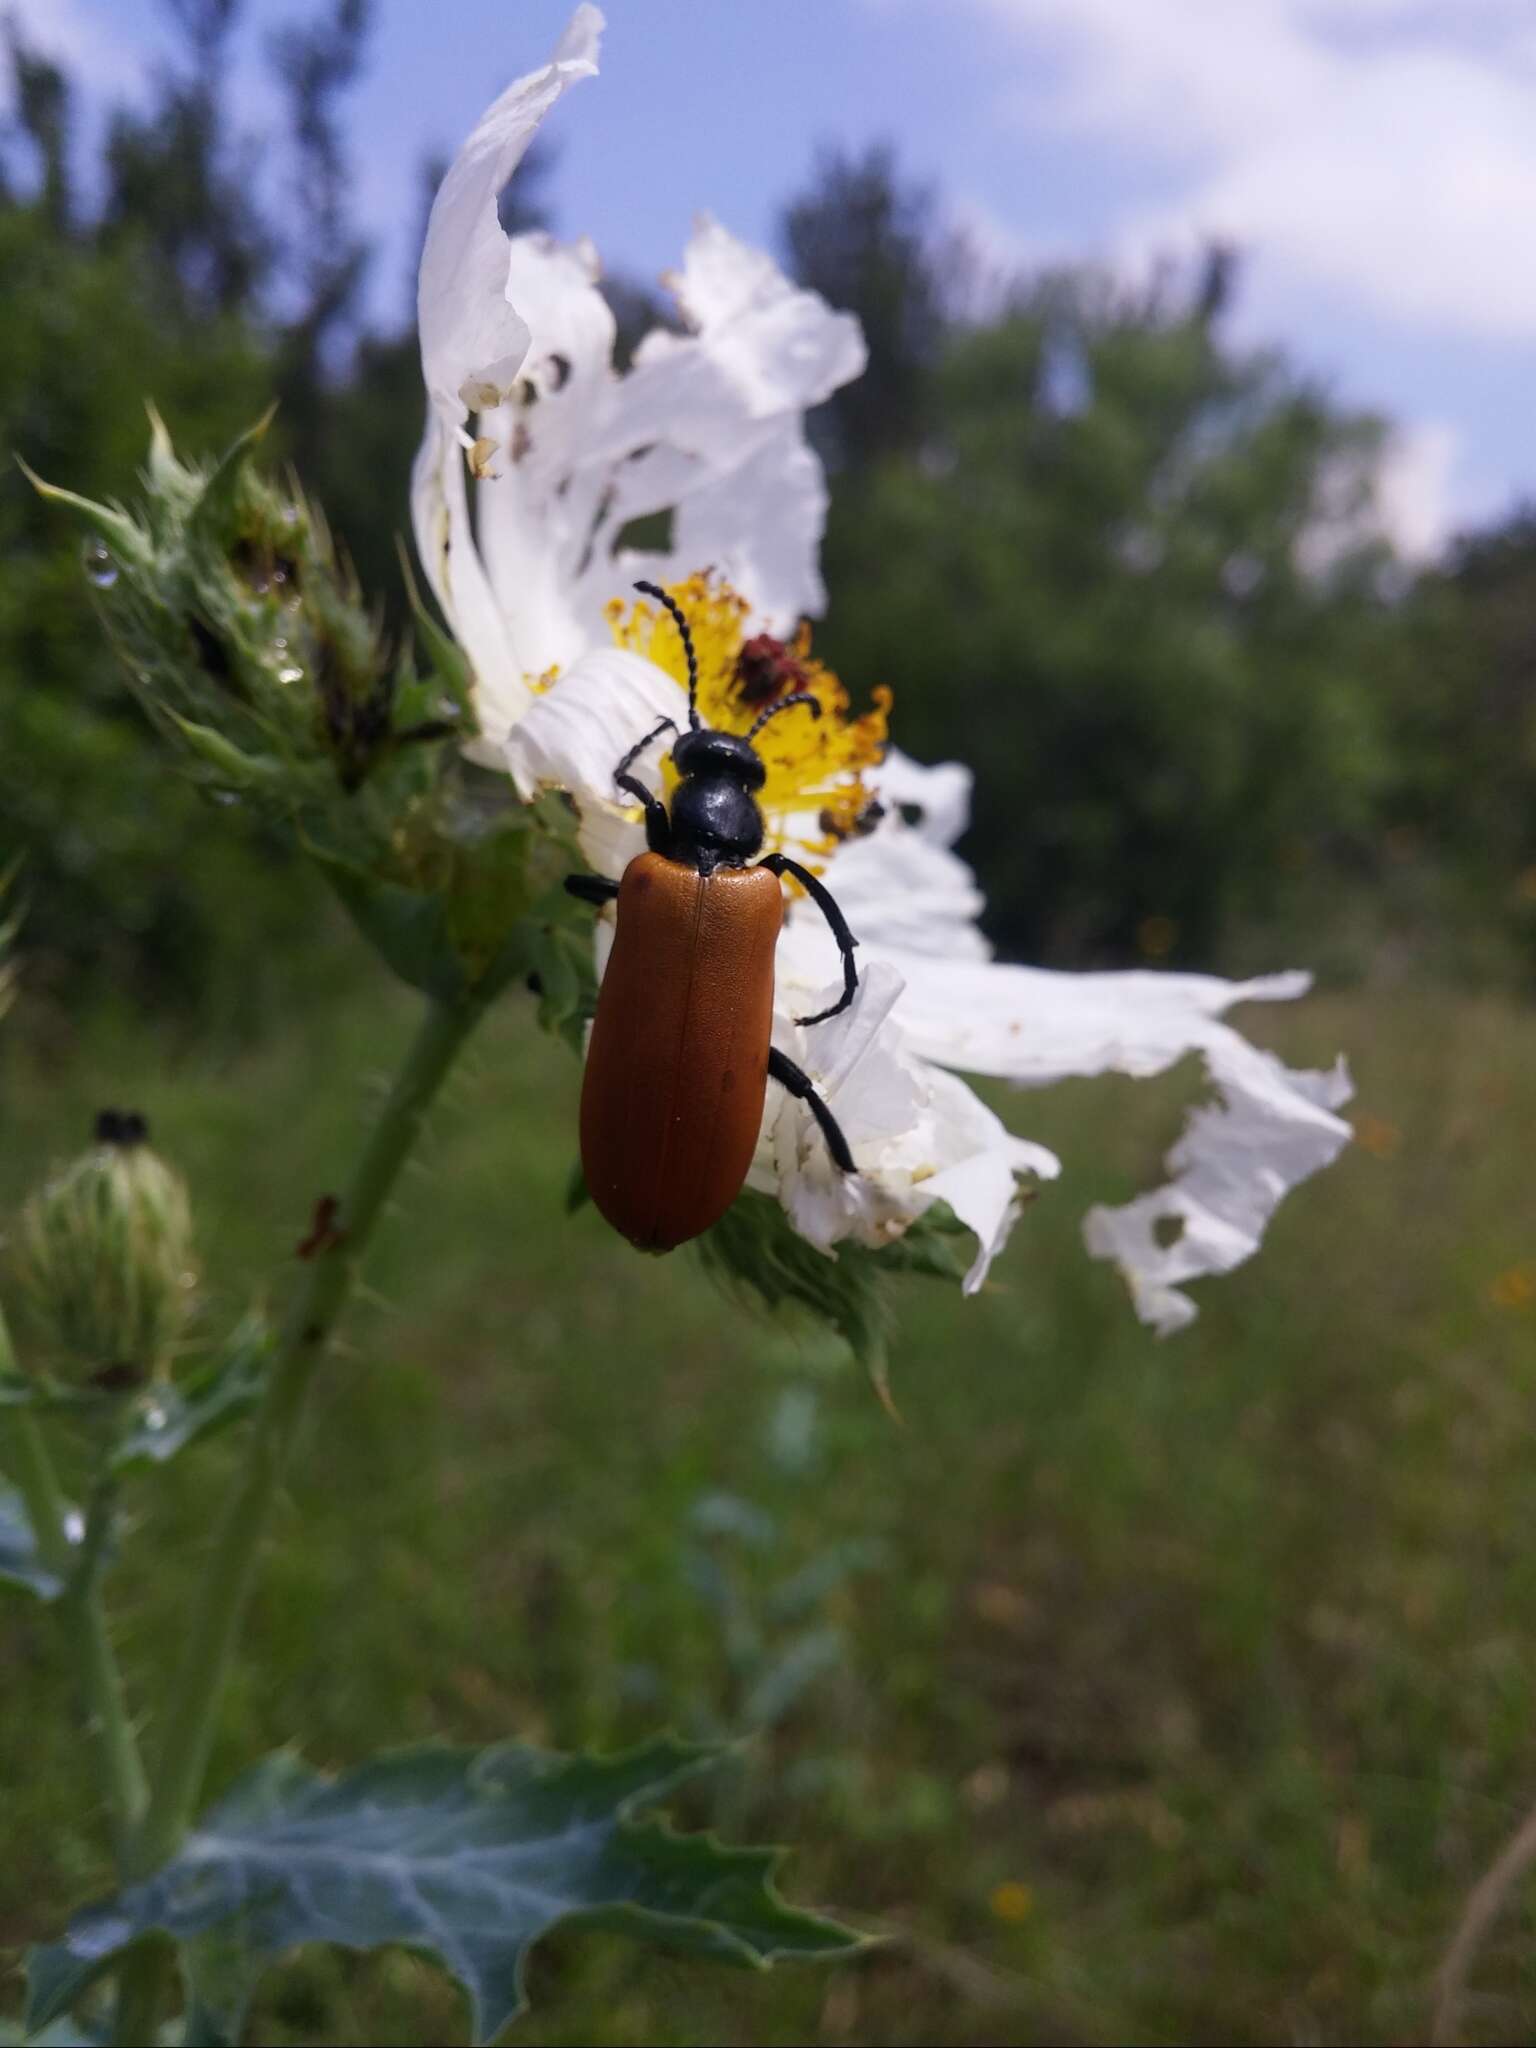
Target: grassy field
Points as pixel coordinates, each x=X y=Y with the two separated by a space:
x=1172 y=1692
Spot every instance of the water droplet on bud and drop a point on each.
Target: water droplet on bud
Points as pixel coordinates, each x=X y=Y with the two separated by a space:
x=100 y=564
x=290 y=675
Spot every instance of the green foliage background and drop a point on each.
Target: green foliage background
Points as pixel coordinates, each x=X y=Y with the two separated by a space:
x=1213 y=1655
x=1072 y=525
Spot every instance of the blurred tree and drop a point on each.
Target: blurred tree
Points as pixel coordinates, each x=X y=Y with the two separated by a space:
x=873 y=244
x=126 y=883
x=1462 y=689
x=1100 y=580
x=181 y=286
x=180 y=180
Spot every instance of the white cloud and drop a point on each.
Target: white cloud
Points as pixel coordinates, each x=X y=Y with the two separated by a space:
x=1415 y=488
x=1382 y=148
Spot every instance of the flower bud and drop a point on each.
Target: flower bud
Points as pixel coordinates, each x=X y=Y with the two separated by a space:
x=248 y=642
x=245 y=635
x=104 y=1252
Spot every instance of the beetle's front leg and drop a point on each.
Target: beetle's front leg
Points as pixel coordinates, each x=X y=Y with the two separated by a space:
x=658 y=826
x=594 y=889
x=826 y=903
x=797 y=1082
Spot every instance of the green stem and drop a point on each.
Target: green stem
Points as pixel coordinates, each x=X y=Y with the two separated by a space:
x=208 y=1645
x=80 y=1566
x=47 y=1509
x=122 y=1772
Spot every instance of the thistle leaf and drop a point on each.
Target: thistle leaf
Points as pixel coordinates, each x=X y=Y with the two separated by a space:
x=468 y=1857
x=171 y=1418
x=20 y=1562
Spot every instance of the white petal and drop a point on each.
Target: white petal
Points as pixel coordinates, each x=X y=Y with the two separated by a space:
x=574 y=733
x=900 y=892
x=759 y=524
x=782 y=347
x=705 y=427
x=472 y=340
x=445 y=545
x=537 y=515
x=1033 y=1025
x=940 y=797
x=917 y=1135
x=1274 y=1127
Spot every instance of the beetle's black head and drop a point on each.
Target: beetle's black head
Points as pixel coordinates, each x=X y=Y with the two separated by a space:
x=726 y=754
x=715 y=820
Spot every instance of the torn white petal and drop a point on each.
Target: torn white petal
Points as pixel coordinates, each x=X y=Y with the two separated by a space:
x=1272 y=1128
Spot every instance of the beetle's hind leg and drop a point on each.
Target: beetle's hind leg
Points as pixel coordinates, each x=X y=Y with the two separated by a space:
x=594 y=889
x=826 y=903
x=782 y=1069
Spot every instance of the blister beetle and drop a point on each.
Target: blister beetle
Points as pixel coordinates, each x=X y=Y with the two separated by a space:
x=681 y=1052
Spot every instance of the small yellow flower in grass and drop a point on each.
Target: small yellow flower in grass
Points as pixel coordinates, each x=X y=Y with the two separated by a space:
x=1515 y=1287
x=1012 y=1902
x=1375 y=1135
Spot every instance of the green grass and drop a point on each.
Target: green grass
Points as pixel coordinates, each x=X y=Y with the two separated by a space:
x=1217 y=1655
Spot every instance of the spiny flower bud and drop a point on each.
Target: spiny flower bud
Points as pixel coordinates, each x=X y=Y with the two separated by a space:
x=244 y=633
x=247 y=641
x=104 y=1252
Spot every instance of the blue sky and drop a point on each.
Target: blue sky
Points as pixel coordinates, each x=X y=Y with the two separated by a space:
x=1376 y=159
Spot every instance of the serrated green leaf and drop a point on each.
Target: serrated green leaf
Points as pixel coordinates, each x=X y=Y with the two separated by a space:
x=171 y=1418
x=20 y=1561
x=110 y=521
x=755 y=1250
x=466 y=1856
x=754 y=1247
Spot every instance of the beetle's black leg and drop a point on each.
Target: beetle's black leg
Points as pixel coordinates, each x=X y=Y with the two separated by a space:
x=826 y=903
x=594 y=889
x=782 y=1069
x=629 y=760
x=658 y=826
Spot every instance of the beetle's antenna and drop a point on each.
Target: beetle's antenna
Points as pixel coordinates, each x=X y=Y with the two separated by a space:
x=655 y=590
x=784 y=704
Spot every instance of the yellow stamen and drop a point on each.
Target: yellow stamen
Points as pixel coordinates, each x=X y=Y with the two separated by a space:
x=814 y=794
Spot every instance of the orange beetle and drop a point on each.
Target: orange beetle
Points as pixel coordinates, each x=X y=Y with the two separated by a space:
x=681 y=1056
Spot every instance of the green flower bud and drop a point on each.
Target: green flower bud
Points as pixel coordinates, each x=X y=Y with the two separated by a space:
x=244 y=633
x=104 y=1254
x=248 y=643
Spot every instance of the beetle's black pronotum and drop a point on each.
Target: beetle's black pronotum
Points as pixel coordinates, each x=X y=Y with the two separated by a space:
x=681 y=1053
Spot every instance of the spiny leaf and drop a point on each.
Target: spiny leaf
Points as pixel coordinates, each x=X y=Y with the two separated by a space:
x=110 y=521
x=754 y=1247
x=466 y=1856
x=171 y=1418
x=20 y=1561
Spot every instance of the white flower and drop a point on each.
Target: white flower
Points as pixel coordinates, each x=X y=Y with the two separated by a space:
x=706 y=426
x=706 y=430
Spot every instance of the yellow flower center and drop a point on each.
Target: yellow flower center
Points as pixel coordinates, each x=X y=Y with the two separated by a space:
x=814 y=795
